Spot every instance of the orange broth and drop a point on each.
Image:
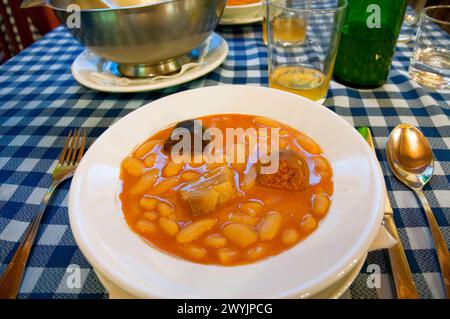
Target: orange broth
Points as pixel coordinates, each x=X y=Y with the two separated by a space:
x=241 y=2
x=298 y=209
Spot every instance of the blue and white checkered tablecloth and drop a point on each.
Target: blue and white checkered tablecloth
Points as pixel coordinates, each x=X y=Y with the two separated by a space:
x=40 y=102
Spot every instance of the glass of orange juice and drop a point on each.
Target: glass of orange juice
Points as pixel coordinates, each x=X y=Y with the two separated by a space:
x=303 y=37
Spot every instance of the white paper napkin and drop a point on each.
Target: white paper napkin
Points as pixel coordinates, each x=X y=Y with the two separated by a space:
x=383 y=240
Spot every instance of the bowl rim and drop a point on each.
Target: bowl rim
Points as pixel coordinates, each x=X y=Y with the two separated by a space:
x=138 y=6
x=341 y=7
x=337 y=270
x=249 y=5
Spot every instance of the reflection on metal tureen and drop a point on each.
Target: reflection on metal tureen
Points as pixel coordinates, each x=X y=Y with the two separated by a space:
x=145 y=40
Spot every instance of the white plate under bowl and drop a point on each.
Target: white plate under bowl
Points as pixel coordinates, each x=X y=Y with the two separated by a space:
x=87 y=62
x=335 y=291
x=311 y=266
x=243 y=14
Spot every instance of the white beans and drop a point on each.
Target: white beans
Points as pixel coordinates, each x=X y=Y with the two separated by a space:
x=146 y=227
x=215 y=241
x=226 y=255
x=146 y=148
x=168 y=226
x=256 y=252
x=164 y=209
x=243 y=219
x=152 y=216
x=290 y=237
x=194 y=230
x=308 y=223
x=308 y=144
x=164 y=186
x=322 y=166
x=270 y=226
x=144 y=183
x=266 y=122
x=189 y=176
x=220 y=212
x=321 y=203
x=213 y=166
x=172 y=169
x=133 y=166
x=149 y=161
x=251 y=208
x=148 y=203
x=195 y=252
x=240 y=235
x=249 y=180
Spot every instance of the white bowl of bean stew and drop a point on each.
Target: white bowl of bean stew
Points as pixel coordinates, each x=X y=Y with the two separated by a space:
x=158 y=228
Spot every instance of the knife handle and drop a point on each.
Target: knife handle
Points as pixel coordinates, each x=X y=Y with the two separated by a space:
x=404 y=283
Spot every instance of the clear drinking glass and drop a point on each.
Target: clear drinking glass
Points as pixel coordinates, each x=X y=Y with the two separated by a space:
x=430 y=63
x=264 y=23
x=412 y=18
x=303 y=37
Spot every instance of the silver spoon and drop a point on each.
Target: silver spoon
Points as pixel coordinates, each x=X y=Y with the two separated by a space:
x=411 y=160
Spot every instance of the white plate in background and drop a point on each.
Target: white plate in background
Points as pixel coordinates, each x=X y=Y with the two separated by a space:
x=243 y=14
x=87 y=63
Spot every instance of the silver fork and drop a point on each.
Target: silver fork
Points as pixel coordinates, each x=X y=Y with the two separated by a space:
x=70 y=158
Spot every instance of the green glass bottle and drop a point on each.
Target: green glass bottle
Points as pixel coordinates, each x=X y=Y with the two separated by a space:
x=369 y=37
